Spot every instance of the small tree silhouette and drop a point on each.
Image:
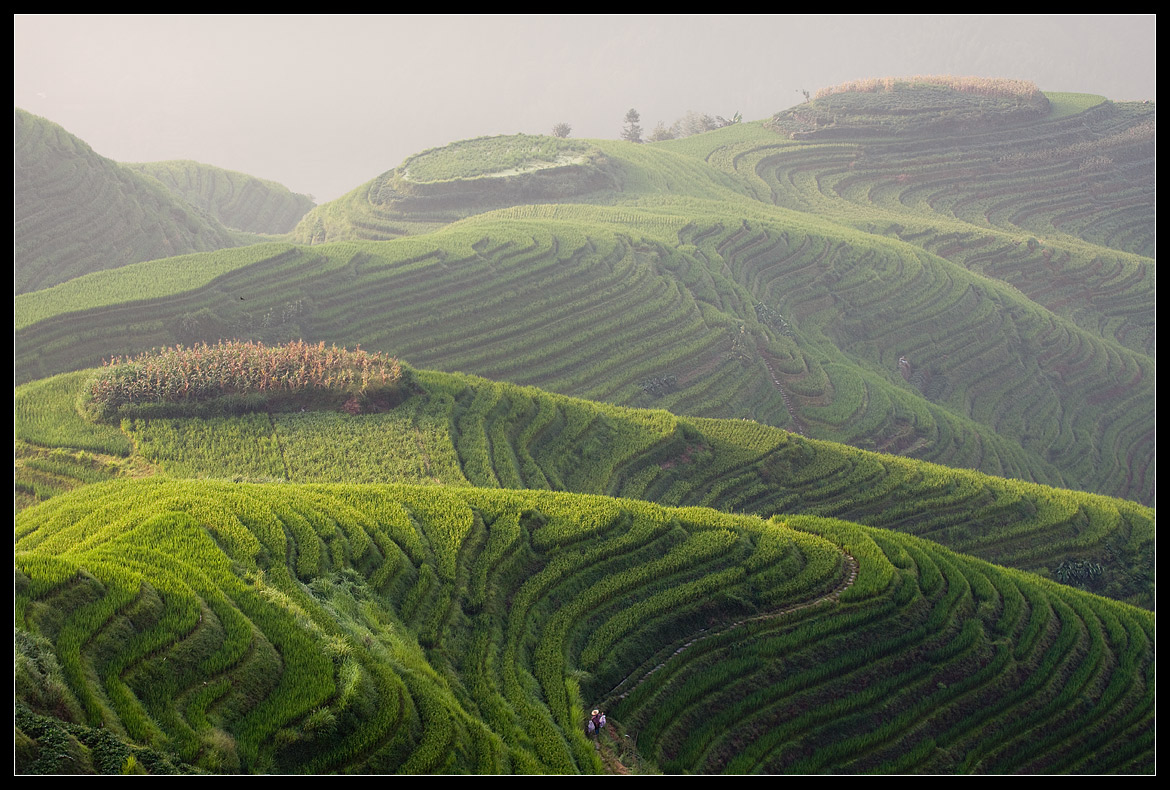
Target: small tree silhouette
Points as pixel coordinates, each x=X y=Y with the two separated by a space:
x=632 y=132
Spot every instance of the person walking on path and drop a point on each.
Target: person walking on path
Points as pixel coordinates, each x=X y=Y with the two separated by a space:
x=596 y=724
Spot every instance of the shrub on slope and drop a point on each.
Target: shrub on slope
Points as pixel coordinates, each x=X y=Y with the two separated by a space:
x=287 y=375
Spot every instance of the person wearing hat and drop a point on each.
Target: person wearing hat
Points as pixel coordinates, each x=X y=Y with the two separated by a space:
x=596 y=722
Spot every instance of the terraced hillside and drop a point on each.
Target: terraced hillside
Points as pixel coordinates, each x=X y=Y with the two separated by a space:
x=1062 y=209
x=236 y=200
x=219 y=626
x=460 y=430
x=914 y=107
x=78 y=212
x=785 y=321
x=437 y=187
x=979 y=297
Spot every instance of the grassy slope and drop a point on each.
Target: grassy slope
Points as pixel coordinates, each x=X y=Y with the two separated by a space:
x=439 y=186
x=236 y=200
x=137 y=282
x=78 y=212
x=461 y=430
x=299 y=628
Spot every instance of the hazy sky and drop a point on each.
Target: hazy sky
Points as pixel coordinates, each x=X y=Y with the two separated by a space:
x=323 y=104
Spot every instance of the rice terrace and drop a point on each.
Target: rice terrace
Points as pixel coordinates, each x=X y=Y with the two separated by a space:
x=822 y=443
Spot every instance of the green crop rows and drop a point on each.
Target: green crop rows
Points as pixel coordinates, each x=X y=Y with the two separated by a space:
x=467 y=632
x=457 y=430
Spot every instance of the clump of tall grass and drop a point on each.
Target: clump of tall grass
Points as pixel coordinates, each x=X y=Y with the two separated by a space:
x=245 y=373
x=984 y=86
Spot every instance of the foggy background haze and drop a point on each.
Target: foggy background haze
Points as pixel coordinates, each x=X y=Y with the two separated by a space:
x=323 y=104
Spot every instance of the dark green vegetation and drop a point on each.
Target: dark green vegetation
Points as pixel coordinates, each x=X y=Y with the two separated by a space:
x=414 y=629
x=981 y=297
x=234 y=199
x=78 y=212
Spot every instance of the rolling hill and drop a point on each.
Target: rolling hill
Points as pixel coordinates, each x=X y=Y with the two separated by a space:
x=457 y=430
x=78 y=212
x=236 y=200
x=743 y=319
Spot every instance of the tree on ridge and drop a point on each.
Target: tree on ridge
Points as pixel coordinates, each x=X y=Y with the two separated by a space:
x=632 y=132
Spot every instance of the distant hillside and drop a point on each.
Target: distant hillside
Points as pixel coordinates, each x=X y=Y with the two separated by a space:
x=78 y=212
x=439 y=186
x=236 y=200
x=1061 y=209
